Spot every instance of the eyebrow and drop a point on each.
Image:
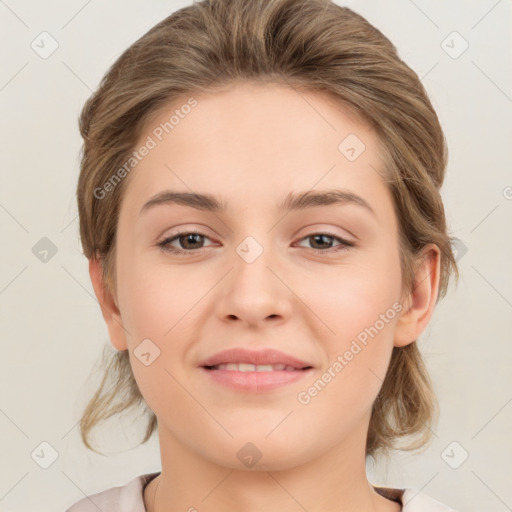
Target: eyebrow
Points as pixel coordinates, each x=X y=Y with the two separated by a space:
x=292 y=202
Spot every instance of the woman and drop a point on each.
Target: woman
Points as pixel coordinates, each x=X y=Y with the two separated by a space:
x=288 y=140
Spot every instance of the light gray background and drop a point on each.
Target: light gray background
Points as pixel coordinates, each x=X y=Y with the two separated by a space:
x=51 y=328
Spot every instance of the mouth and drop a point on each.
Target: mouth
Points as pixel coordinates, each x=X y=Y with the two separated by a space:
x=249 y=371
x=242 y=359
x=247 y=367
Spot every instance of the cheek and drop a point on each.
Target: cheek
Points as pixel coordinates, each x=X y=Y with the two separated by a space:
x=160 y=309
x=158 y=300
x=343 y=392
x=348 y=299
x=360 y=307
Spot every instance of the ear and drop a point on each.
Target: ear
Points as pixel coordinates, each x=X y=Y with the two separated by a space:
x=418 y=306
x=108 y=306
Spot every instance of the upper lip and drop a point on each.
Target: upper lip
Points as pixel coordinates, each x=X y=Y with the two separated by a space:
x=256 y=357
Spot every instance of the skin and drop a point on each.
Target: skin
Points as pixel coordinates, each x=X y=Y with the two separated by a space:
x=250 y=145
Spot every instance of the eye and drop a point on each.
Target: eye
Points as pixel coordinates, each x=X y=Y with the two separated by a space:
x=322 y=239
x=190 y=240
x=187 y=239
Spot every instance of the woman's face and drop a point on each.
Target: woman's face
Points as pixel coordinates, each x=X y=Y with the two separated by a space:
x=259 y=276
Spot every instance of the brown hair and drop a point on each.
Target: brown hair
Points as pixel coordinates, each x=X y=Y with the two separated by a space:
x=310 y=45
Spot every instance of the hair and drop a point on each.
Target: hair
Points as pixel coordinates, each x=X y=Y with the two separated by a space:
x=309 y=45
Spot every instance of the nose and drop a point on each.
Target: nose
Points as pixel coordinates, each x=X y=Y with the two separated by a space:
x=253 y=292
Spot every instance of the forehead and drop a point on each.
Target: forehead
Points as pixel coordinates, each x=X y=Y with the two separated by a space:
x=251 y=139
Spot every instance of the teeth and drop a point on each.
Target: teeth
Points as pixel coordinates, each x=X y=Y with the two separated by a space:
x=246 y=367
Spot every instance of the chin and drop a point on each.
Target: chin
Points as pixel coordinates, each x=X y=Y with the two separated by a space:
x=257 y=453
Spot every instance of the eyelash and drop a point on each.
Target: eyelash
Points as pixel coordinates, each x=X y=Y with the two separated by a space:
x=164 y=244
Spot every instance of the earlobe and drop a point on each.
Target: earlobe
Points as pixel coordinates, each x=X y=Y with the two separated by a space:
x=108 y=305
x=420 y=303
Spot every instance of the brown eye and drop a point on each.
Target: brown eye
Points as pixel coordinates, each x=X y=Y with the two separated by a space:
x=323 y=242
x=189 y=241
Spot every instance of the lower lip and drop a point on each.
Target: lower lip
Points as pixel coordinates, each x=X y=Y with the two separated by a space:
x=256 y=382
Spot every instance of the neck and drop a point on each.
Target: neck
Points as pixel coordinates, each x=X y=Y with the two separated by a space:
x=334 y=481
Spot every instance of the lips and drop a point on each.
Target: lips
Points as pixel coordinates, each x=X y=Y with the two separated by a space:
x=254 y=371
x=247 y=367
x=244 y=360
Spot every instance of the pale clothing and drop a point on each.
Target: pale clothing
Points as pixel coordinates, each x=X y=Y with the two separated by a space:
x=129 y=498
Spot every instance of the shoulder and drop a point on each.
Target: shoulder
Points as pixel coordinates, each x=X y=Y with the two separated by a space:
x=125 y=498
x=413 y=500
x=416 y=501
